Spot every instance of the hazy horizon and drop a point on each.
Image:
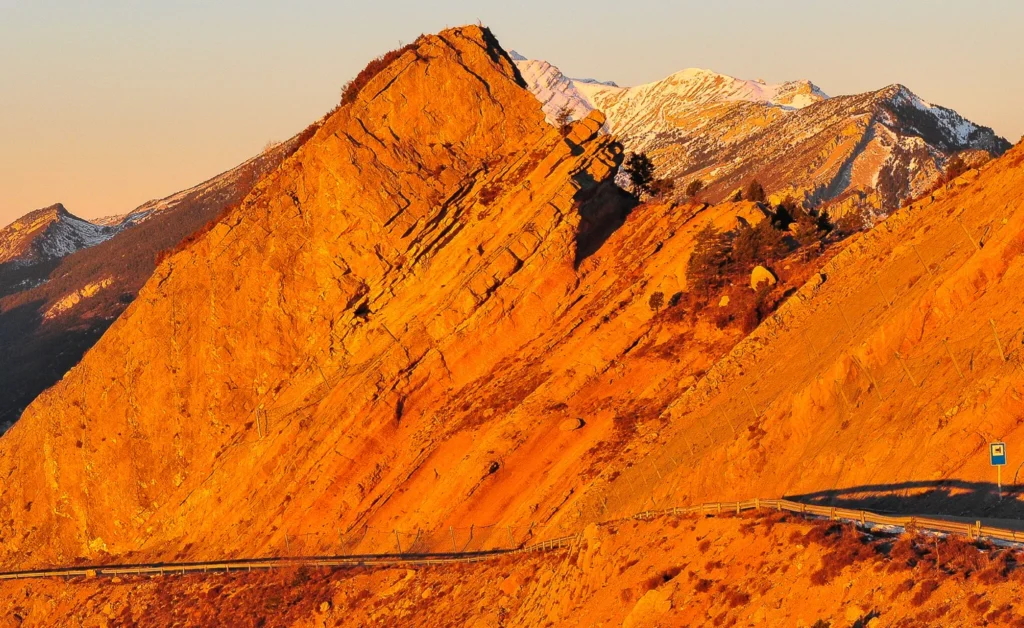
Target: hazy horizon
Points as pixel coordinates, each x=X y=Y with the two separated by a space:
x=107 y=105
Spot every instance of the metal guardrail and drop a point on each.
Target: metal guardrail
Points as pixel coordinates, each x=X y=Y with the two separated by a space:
x=257 y=564
x=971 y=531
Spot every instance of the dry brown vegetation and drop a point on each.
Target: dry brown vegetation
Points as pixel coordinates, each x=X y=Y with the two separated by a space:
x=351 y=90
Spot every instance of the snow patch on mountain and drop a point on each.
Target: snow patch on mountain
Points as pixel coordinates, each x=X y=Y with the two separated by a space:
x=797 y=140
x=48 y=234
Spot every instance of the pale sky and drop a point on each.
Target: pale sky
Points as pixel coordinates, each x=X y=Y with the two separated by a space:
x=104 y=104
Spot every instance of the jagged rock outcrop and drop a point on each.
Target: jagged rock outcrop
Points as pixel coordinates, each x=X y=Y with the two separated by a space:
x=886 y=146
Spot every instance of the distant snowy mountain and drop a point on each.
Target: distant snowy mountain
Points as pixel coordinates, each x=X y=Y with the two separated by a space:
x=48 y=234
x=870 y=151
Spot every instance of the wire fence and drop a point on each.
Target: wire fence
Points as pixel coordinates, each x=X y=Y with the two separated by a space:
x=866 y=519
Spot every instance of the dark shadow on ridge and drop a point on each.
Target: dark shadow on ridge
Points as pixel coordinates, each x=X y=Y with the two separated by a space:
x=958 y=498
x=603 y=208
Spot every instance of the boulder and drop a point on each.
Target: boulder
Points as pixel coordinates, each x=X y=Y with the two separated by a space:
x=724 y=301
x=761 y=274
x=570 y=425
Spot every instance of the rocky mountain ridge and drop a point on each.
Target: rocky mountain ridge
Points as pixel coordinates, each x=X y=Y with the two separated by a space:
x=48 y=234
x=868 y=152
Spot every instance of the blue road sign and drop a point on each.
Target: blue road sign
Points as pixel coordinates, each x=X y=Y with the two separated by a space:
x=997 y=454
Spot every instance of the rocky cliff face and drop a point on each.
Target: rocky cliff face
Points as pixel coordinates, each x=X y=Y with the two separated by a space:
x=879 y=148
x=326 y=328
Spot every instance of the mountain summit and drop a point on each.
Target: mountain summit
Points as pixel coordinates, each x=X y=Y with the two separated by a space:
x=868 y=152
x=48 y=234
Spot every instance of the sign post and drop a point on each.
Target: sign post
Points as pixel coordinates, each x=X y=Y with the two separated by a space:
x=997 y=458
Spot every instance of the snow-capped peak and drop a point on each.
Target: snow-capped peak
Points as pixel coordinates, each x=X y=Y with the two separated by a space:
x=47 y=234
x=689 y=87
x=698 y=86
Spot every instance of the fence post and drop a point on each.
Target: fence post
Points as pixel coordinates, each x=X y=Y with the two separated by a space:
x=882 y=292
x=511 y=538
x=945 y=343
x=757 y=503
x=977 y=247
x=727 y=418
x=849 y=327
x=757 y=415
x=878 y=391
x=398 y=542
x=905 y=369
x=921 y=259
x=996 y=336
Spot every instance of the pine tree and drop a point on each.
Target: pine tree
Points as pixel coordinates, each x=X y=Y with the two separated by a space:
x=755 y=192
x=757 y=245
x=706 y=269
x=640 y=171
x=563 y=119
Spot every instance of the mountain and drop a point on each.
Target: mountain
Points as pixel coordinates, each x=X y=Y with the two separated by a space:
x=868 y=152
x=48 y=234
x=347 y=290
x=32 y=245
x=441 y=326
x=64 y=280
